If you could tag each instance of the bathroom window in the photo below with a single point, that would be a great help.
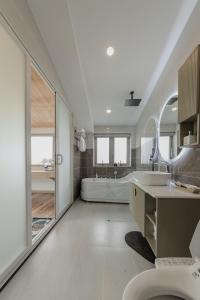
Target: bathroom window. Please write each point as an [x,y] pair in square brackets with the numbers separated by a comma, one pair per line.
[147,149]
[167,144]
[103,150]
[41,149]
[164,146]
[112,149]
[120,150]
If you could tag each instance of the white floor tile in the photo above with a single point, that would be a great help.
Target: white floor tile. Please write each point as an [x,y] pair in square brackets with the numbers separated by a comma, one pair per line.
[85,257]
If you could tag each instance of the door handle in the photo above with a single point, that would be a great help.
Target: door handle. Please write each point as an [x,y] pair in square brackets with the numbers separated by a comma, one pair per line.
[59,159]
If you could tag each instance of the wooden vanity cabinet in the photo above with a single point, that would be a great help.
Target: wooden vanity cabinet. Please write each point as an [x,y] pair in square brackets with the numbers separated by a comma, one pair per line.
[168,224]
[176,222]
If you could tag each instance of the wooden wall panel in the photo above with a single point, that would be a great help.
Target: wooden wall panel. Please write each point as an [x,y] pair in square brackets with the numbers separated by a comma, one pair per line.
[43,102]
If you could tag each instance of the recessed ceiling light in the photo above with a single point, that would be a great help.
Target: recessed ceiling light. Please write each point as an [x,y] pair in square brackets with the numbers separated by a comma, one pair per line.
[174,108]
[108,111]
[110,51]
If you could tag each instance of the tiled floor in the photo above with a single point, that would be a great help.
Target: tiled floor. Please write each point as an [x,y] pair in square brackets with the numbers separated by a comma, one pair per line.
[85,257]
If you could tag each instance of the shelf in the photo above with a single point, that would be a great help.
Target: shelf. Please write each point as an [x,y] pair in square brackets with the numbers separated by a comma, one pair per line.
[152,243]
[191,146]
[192,125]
[151,218]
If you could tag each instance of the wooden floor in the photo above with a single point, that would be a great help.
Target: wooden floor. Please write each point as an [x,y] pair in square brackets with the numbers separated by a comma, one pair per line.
[43,205]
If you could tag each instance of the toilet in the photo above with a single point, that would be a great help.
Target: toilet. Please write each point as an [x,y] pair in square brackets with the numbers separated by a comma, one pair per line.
[179,277]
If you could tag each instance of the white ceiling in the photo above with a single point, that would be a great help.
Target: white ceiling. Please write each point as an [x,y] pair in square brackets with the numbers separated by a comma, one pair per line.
[77,33]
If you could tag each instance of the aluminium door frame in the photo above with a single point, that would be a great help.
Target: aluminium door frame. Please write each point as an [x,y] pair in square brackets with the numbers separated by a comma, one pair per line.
[59,214]
[15,265]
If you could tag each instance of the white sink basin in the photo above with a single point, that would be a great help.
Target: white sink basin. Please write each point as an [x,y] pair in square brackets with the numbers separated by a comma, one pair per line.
[152,178]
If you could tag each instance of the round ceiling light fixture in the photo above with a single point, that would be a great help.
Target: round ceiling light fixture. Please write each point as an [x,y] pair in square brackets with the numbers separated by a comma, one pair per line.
[108,111]
[110,51]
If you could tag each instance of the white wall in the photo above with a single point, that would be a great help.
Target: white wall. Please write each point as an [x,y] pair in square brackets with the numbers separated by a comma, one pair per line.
[111,129]
[20,18]
[43,130]
[168,82]
[168,127]
[54,21]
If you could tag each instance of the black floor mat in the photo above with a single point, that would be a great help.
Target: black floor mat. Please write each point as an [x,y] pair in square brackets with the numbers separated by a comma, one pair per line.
[136,241]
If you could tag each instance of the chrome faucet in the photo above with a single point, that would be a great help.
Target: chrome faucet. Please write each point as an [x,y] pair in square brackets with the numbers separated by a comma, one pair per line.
[166,164]
[152,165]
[152,160]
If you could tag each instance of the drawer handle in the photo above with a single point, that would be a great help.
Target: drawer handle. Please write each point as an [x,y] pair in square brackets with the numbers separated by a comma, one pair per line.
[135,192]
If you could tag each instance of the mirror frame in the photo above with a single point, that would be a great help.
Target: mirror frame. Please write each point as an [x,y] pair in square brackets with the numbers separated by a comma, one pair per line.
[175,94]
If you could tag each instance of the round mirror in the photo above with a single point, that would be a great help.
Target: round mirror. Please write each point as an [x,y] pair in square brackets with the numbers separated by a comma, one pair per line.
[149,142]
[169,130]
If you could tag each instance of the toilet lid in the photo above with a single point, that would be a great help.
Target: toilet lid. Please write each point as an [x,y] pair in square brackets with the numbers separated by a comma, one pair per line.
[180,282]
[167,298]
[195,245]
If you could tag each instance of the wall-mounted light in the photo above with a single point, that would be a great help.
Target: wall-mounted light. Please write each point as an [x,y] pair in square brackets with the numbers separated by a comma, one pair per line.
[110,51]
[108,111]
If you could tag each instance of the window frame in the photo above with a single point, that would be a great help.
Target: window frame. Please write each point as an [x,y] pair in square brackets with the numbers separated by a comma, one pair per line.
[54,145]
[111,137]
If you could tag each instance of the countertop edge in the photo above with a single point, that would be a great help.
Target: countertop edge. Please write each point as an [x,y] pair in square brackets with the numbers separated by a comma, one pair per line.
[168,191]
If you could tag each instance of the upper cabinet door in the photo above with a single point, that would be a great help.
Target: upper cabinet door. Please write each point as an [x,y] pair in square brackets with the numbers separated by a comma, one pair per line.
[188,87]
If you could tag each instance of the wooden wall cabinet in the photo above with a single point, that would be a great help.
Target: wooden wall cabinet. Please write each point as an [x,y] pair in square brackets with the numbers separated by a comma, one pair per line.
[188,87]
[189,97]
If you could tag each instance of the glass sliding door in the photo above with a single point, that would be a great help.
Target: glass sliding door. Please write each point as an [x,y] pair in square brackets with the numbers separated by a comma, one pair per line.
[43,137]
[13,205]
[63,156]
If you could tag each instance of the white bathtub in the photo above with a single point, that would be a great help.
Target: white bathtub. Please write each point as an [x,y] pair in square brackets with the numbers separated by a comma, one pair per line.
[106,189]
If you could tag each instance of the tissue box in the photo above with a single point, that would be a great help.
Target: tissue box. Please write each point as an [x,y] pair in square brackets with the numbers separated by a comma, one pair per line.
[189,139]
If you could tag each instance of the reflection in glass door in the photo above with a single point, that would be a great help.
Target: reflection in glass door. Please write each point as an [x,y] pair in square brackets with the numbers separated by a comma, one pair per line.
[42,153]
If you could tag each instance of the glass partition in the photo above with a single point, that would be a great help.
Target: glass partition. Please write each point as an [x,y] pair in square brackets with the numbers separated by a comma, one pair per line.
[13,207]
[63,147]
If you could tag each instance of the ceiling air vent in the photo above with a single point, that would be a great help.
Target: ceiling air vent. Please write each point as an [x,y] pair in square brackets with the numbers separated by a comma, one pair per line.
[132,101]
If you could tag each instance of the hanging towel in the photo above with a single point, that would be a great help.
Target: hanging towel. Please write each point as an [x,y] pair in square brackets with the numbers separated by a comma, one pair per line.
[82,144]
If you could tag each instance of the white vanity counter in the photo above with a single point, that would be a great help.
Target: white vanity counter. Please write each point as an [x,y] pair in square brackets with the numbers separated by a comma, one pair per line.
[167,191]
